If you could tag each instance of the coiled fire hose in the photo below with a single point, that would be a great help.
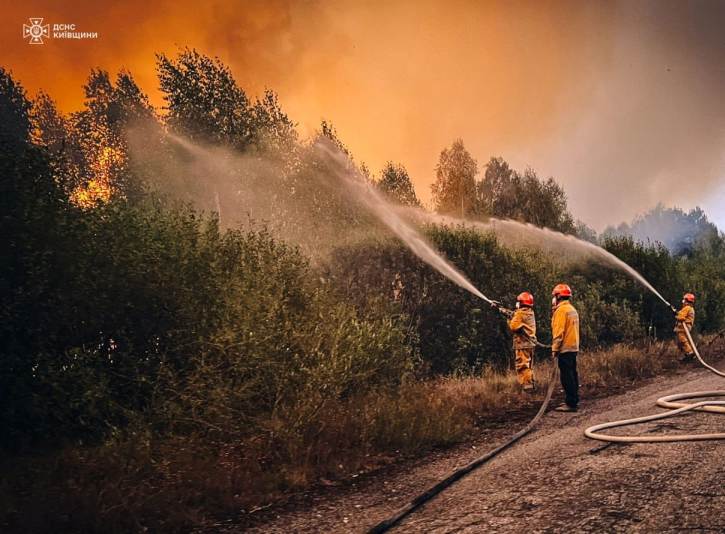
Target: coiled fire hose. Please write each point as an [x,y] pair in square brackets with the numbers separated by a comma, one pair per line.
[459,473]
[676,409]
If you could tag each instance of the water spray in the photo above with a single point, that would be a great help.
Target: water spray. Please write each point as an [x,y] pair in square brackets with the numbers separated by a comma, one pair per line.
[519,229]
[373,200]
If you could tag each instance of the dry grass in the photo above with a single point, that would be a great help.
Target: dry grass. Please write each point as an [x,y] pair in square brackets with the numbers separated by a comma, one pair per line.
[136,482]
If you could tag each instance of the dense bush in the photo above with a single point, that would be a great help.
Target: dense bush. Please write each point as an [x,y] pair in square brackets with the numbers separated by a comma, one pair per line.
[450,328]
[454,330]
[150,292]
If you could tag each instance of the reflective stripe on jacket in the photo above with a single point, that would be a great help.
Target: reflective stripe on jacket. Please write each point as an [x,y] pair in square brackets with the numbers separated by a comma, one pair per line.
[685,315]
[523,326]
[565,328]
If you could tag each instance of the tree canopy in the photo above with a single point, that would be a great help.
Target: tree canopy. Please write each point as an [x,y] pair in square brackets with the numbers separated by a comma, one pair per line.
[506,193]
[454,189]
[395,183]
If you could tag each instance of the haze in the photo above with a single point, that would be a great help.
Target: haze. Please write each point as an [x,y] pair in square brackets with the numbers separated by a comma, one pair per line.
[620,101]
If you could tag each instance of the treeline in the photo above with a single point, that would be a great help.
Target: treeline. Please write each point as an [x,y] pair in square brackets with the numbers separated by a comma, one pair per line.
[683,233]
[130,315]
[118,309]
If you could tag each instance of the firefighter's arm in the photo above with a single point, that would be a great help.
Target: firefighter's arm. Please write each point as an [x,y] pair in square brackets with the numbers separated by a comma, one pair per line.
[558,322]
[681,315]
[515,323]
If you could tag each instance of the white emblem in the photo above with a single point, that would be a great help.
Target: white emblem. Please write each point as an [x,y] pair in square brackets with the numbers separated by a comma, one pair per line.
[36,31]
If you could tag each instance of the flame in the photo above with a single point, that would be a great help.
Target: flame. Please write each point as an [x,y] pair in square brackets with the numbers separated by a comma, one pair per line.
[99,189]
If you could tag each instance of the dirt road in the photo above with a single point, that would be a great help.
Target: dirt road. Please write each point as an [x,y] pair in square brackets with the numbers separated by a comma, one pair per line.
[555,480]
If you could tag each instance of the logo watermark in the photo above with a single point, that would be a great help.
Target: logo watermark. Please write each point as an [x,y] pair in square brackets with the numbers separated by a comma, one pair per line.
[37,31]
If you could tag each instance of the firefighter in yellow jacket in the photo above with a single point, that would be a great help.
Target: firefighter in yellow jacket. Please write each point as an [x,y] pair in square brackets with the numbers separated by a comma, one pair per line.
[685,318]
[523,327]
[565,345]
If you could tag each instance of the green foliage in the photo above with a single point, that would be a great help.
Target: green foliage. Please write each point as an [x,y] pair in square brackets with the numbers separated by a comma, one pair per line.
[274,132]
[586,232]
[604,321]
[203,101]
[14,108]
[146,310]
[454,189]
[505,193]
[453,330]
[396,185]
[152,306]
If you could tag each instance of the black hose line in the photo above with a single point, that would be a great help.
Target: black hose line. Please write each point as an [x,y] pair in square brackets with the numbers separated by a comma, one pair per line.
[461,472]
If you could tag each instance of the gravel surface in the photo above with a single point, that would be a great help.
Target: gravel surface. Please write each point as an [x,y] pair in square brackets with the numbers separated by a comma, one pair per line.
[555,480]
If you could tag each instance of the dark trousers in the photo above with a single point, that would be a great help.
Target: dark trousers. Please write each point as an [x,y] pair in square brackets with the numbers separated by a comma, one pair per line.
[569,378]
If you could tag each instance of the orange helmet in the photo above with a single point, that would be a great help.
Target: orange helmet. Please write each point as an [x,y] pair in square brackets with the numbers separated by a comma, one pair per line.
[525,298]
[561,290]
[689,297]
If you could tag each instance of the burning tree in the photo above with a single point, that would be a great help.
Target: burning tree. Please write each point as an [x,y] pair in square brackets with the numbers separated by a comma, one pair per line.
[88,150]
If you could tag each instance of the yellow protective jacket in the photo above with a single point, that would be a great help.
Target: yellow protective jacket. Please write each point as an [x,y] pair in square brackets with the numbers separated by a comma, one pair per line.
[685,315]
[565,328]
[523,324]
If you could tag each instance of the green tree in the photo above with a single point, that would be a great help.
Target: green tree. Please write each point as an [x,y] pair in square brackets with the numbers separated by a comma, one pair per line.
[395,183]
[95,155]
[328,131]
[454,190]
[33,227]
[586,232]
[505,193]
[497,190]
[53,131]
[203,101]
[273,131]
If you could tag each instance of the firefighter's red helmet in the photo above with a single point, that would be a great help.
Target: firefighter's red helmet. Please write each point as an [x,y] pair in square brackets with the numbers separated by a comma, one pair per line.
[561,290]
[689,297]
[525,298]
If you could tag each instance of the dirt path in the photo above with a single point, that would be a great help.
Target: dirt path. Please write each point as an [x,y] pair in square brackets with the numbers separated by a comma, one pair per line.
[553,481]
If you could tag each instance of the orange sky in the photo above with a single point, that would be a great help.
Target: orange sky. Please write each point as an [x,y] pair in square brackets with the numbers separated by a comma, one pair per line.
[621,102]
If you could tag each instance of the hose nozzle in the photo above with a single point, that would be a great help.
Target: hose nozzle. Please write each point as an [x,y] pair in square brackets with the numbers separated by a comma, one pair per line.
[496,305]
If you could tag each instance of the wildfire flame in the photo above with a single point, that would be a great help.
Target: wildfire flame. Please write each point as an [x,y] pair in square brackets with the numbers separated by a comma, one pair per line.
[99,188]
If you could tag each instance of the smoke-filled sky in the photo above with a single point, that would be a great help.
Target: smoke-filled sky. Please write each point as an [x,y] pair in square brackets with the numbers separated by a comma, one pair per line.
[622,102]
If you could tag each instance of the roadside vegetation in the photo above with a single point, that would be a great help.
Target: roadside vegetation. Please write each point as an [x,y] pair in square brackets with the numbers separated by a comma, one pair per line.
[163,361]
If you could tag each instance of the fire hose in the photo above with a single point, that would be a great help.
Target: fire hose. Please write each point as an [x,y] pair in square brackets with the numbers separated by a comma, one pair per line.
[676,408]
[459,473]
[591,432]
